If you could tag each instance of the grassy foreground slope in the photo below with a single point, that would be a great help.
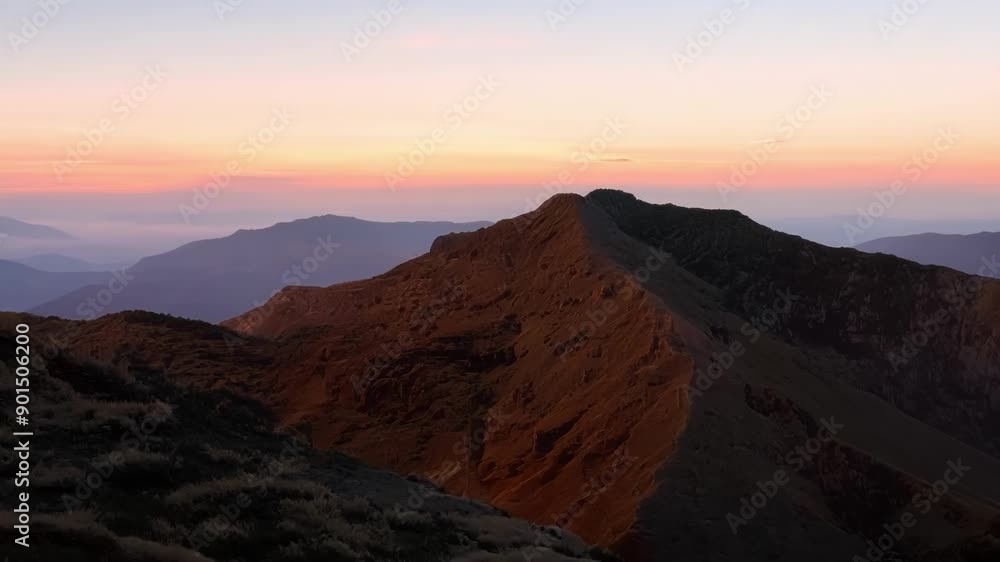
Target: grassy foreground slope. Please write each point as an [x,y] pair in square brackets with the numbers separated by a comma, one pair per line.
[127,466]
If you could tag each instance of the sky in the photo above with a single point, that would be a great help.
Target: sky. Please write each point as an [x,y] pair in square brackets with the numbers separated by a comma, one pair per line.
[410,109]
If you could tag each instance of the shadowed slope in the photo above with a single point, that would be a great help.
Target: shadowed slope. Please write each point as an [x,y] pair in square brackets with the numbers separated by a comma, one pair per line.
[924,338]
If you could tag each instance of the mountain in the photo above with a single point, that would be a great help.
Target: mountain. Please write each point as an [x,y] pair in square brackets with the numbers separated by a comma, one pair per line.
[592,319]
[975,254]
[23,287]
[13,227]
[833,231]
[147,471]
[58,263]
[216,279]
[671,383]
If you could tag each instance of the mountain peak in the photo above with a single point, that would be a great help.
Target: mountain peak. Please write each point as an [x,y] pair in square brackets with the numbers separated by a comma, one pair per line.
[562,200]
[610,194]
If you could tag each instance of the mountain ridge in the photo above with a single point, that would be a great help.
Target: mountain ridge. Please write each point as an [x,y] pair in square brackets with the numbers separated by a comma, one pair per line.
[647,349]
[975,254]
[23,287]
[21,229]
[217,278]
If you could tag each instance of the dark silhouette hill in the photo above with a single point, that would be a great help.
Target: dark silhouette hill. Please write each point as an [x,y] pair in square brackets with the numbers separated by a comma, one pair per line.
[216,279]
[975,254]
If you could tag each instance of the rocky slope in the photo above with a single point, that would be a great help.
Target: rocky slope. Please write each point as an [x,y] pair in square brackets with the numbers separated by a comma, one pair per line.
[475,345]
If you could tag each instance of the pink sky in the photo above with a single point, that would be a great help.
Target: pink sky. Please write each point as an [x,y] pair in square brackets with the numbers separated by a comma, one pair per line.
[551,94]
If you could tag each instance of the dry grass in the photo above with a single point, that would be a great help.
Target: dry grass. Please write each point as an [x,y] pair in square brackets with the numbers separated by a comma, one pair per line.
[225,456]
[192,485]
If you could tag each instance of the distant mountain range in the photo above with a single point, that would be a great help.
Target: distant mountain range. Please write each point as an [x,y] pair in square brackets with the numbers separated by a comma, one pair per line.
[23,288]
[216,279]
[20,229]
[58,263]
[831,231]
[975,254]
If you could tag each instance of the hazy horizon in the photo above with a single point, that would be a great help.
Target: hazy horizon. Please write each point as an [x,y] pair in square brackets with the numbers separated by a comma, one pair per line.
[113,228]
